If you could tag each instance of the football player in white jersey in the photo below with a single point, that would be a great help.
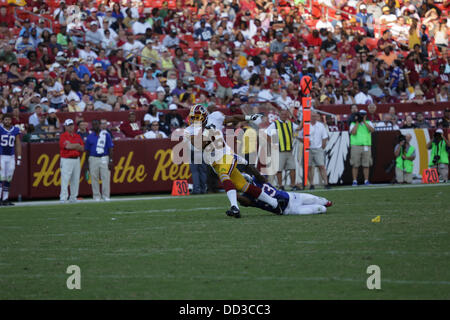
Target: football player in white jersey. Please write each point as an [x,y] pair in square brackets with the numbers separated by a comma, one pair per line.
[205,135]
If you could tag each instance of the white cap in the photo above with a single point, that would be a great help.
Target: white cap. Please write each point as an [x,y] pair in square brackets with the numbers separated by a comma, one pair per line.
[160,89]
[362,111]
[148,41]
[439,130]
[68,122]
[363,6]
[51,110]
[250,64]
[224,15]
[143,101]
[16,89]
[98,64]
[44,99]
[191,79]
[173,106]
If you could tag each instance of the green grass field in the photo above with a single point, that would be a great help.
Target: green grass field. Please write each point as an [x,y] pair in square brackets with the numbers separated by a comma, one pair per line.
[187,248]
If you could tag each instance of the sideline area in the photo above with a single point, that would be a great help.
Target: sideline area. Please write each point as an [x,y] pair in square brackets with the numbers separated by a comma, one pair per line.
[162,197]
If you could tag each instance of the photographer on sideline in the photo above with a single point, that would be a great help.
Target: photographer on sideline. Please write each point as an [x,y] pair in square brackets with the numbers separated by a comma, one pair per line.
[404,154]
[361,145]
[439,154]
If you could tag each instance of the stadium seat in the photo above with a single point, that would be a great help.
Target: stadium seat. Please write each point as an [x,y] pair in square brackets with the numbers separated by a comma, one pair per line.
[172,4]
[118,90]
[22,61]
[187,37]
[196,44]
[39,75]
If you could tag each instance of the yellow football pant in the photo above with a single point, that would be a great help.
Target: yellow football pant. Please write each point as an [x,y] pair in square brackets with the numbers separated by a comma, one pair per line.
[226,170]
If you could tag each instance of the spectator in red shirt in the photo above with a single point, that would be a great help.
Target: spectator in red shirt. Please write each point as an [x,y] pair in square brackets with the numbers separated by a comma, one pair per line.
[7,19]
[224,83]
[71,147]
[314,40]
[131,128]
[98,75]
[385,40]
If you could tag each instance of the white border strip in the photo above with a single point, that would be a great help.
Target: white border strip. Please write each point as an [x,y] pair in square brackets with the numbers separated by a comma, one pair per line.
[137,198]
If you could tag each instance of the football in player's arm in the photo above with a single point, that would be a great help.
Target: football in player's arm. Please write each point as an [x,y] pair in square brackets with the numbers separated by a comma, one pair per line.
[11,146]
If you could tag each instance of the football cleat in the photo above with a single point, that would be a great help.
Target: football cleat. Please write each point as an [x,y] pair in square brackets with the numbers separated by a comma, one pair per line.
[234,212]
[329,204]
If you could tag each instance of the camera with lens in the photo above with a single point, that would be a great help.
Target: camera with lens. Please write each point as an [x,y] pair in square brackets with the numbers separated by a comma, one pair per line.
[436,159]
[357,117]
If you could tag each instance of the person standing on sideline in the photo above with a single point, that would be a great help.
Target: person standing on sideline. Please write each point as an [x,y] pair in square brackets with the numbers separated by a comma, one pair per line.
[439,154]
[318,139]
[99,148]
[361,146]
[71,147]
[284,129]
[10,146]
[404,157]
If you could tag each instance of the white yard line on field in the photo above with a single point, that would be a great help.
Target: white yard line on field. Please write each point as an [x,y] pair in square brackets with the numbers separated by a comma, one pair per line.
[147,198]
[237,278]
[168,210]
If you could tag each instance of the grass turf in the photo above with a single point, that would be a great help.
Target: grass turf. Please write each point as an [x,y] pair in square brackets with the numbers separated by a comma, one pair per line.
[186,248]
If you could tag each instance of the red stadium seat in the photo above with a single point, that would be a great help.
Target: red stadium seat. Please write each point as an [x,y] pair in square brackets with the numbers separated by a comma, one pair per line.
[22,61]
[196,44]
[187,37]
[118,90]
[39,75]
[172,4]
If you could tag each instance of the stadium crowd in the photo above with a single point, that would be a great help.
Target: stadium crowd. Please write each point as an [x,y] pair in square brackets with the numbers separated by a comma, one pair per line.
[76,56]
